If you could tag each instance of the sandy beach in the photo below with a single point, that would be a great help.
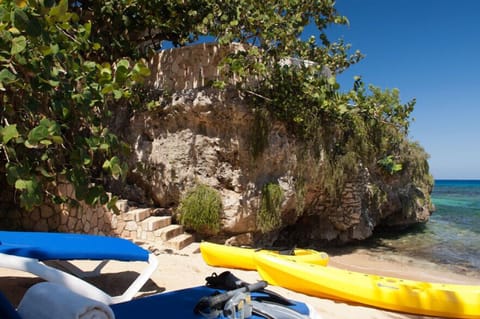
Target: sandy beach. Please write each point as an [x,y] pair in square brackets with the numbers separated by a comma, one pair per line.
[186,268]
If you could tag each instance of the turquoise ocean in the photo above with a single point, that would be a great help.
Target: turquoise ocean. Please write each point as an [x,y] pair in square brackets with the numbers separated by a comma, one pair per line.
[451,238]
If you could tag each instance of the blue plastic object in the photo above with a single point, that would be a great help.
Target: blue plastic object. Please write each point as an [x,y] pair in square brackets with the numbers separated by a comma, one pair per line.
[176,304]
[63,246]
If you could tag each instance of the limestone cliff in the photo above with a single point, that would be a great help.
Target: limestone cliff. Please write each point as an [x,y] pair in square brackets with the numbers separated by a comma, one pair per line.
[203,135]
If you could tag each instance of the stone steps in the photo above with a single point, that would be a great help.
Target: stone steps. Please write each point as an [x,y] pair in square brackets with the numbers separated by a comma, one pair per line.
[153,223]
[143,224]
[137,214]
[179,242]
[169,232]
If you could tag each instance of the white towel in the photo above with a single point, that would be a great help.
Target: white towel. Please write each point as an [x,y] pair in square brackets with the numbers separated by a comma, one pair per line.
[53,301]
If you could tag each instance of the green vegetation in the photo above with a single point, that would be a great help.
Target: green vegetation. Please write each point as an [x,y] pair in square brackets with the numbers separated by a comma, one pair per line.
[389,165]
[377,197]
[268,216]
[57,93]
[66,67]
[200,210]
[361,128]
[259,134]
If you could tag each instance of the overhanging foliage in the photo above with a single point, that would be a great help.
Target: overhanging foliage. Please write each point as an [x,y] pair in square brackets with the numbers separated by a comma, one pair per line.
[67,66]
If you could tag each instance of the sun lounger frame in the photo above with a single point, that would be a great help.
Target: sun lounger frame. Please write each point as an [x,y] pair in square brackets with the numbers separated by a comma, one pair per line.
[77,284]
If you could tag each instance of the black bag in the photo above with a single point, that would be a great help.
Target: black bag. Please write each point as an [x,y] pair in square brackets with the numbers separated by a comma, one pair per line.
[265,303]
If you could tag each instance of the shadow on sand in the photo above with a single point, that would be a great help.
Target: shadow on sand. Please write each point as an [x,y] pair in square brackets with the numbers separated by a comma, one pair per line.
[113,283]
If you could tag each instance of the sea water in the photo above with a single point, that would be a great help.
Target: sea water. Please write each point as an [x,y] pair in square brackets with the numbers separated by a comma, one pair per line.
[451,237]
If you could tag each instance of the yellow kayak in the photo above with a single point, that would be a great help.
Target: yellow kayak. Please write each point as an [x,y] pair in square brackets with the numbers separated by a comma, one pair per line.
[409,296]
[242,258]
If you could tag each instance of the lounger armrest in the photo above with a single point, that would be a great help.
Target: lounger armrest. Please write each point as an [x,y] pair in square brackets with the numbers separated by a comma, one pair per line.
[139,281]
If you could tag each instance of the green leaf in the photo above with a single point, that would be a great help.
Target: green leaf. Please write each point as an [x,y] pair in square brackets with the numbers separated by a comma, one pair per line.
[46,142]
[56,71]
[8,133]
[31,193]
[53,83]
[342,109]
[88,28]
[18,44]
[125,64]
[28,144]
[37,134]
[54,48]
[107,89]
[90,65]
[20,19]
[34,28]
[103,198]
[117,94]
[14,31]
[219,84]
[13,173]
[105,74]
[397,167]
[141,69]
[115,166]
[44,172]
[60,11]
[57,139]
[112,205]
[94,194]
[23,184]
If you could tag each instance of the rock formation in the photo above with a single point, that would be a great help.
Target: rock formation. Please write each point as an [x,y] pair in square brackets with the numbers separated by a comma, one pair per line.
[203,135]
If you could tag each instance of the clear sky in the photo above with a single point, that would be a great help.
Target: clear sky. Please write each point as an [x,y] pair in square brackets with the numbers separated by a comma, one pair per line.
[429,50]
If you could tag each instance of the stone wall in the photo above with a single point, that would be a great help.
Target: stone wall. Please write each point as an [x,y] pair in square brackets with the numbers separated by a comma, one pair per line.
[79,219]
[189,67]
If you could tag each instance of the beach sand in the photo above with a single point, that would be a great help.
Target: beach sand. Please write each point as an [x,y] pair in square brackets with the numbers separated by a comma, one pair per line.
[186,268]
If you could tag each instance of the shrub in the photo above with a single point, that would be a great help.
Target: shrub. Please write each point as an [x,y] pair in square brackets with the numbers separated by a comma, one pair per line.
[200,210]
[57,99]
[268,217]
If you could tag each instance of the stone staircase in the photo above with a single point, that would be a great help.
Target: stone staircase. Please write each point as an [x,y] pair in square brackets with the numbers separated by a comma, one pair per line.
[151,225]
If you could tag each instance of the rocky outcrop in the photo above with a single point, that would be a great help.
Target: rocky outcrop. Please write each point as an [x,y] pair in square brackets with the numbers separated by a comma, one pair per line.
[202,135]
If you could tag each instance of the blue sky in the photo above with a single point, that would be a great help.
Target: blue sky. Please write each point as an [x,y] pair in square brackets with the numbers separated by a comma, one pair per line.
[429,50]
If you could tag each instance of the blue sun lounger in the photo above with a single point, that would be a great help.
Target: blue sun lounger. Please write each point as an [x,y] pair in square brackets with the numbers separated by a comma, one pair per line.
[181,304]
[35,252]
[174,304]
